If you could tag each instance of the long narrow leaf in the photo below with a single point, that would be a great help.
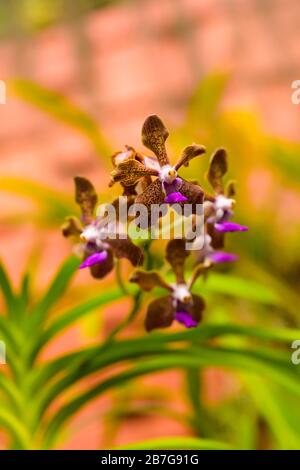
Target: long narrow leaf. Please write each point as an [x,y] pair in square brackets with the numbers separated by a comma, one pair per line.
[7,291]
[74,314]
[56,289]
[177,443]
[54,205]
[16,428]
[277,369]
[102,356]
[273,408]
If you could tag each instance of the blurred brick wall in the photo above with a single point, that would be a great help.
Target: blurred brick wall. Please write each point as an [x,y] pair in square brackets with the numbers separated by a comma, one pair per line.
[145,56]
[128,61]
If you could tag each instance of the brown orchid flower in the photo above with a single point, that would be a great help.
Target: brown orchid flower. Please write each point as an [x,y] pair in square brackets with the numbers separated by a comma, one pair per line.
[218,209]
[180,304]
[98,249]
[168,187]
[130,154]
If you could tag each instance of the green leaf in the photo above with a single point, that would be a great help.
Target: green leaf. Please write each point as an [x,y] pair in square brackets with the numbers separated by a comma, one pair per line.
[79,364]
[193,385]
[177,443]
[285,157]
[55,290]
[235,286]
[273,405]
[16,428]
[86,363]
[102,356]
[275,366]
[74,314]
[7,291]
[24,296]
[206,98]
[54,205]
[60,108]
[10,390]
[5,331]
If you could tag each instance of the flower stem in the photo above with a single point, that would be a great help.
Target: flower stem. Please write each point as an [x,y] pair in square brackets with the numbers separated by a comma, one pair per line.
[132,315]
[119,278]
[137,297]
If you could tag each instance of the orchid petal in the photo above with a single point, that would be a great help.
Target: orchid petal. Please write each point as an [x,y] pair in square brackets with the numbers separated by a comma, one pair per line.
[175,197]
[154,135]
[86,198]
[186,319]
[222,257]
[227,226]
[95,258]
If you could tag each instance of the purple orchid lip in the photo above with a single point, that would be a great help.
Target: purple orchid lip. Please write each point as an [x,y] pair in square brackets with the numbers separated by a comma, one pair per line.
[95,258]
[222,257]
[230,227]
[186,319]
[174,186]
[175,197]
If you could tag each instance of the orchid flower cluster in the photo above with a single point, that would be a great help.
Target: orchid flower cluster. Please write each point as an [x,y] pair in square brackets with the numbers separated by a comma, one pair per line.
[152,180]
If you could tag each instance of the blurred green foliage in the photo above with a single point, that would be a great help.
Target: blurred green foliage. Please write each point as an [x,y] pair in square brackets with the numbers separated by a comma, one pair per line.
[252,319]
[27,326]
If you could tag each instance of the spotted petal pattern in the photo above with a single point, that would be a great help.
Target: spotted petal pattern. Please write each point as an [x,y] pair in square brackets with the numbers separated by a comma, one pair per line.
[217,169]
[188,154]
[130,172]
[176,254]
[86,198]
[154,135]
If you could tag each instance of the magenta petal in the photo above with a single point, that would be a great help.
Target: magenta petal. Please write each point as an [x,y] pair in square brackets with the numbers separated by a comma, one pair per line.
[95,258]
[230,227]
[175,197]
[222,257]
[186,319]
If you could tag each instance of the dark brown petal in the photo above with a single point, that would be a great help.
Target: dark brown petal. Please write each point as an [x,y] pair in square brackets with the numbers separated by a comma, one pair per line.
[230,189]
[129,190]
[125,248]
[154,135]
[72,227]
[148,280]
[192,192]
[86,198]
[145,182]
[153,194]
[197,308]
[200,270]
[209,197]
[217,169]
[102,269]
[176,253]
[188,154]
[160,313]
[217,238]
[129,172]
[121,206]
